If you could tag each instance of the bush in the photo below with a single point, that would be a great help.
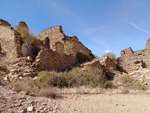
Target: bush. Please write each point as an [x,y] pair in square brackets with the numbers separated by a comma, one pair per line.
[140,86]
[48,92]
[128,81]
[110,55]
[76,77]
[108,84]
[29,41]
[68,46]
[83,57]
[24,32]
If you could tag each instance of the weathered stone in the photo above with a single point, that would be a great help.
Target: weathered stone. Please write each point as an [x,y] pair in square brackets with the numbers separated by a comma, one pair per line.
[139,53]
[94,63]
[10,42]
[130,60]
[27,74]
[146,58]
[58,39]
[108,62]
[4,23]
[127,52]
[30,109]
[49,60]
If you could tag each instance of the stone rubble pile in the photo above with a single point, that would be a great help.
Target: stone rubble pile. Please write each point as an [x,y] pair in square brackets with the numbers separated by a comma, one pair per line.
[12,102]
[142,75]
[20,68]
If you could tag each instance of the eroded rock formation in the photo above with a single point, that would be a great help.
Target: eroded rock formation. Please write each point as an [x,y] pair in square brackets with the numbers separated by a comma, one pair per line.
[132,60]
[61,50]
[53,50]
[10,42]
[58,39]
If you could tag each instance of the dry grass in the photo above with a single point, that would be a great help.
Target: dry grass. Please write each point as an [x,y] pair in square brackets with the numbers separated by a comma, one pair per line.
[49,92]
[130,83]
[19,86]
[93,77]
[81,90]
[88,90]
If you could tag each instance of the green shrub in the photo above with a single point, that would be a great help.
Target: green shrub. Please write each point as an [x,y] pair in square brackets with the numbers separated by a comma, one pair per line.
[76,77]
[92,56]
[140,86]
[24,31]
[130,82]
[83,57]
[108,84]
[127,80]
[68,46]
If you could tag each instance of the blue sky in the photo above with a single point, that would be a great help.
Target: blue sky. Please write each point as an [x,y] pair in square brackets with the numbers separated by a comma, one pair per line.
[101,25]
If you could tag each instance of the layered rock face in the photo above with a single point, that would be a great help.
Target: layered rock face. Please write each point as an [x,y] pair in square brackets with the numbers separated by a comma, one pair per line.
[133,60]
[10,42]
[146,57]
[60,51]
[50,60]
[59,40]
[53,50]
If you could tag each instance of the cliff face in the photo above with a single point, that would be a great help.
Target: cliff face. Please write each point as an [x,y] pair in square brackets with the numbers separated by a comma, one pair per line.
[59,42]
[61,50]
[10,42]
[132,60]
[53,50]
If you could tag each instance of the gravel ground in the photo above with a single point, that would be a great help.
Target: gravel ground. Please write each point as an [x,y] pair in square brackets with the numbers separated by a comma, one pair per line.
[12,102]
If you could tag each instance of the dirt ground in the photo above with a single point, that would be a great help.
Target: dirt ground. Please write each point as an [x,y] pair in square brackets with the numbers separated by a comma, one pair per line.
[105,103]
[13,102]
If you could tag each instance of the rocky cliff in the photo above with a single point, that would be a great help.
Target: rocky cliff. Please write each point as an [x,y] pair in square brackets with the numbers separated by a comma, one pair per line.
[52,50]
[132,60]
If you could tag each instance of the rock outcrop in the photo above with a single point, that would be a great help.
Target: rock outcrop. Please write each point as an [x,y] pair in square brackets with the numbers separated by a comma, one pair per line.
[50,60]
[108,63]
[93,63]
[58,40]
[10,41]
[53,50]
[60,51]
[133,60]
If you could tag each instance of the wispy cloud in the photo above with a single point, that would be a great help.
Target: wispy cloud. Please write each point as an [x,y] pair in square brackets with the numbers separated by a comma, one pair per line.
[137,27]
[89,31]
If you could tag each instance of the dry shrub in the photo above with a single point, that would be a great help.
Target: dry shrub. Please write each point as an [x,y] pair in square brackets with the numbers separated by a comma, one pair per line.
[18,85]
[83,56]
[108,84]
[67,48]
[131,83]
[48,92]
[88,90]
[93,77]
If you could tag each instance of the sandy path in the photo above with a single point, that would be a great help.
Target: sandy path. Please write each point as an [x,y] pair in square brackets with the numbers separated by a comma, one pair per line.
[104,103]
